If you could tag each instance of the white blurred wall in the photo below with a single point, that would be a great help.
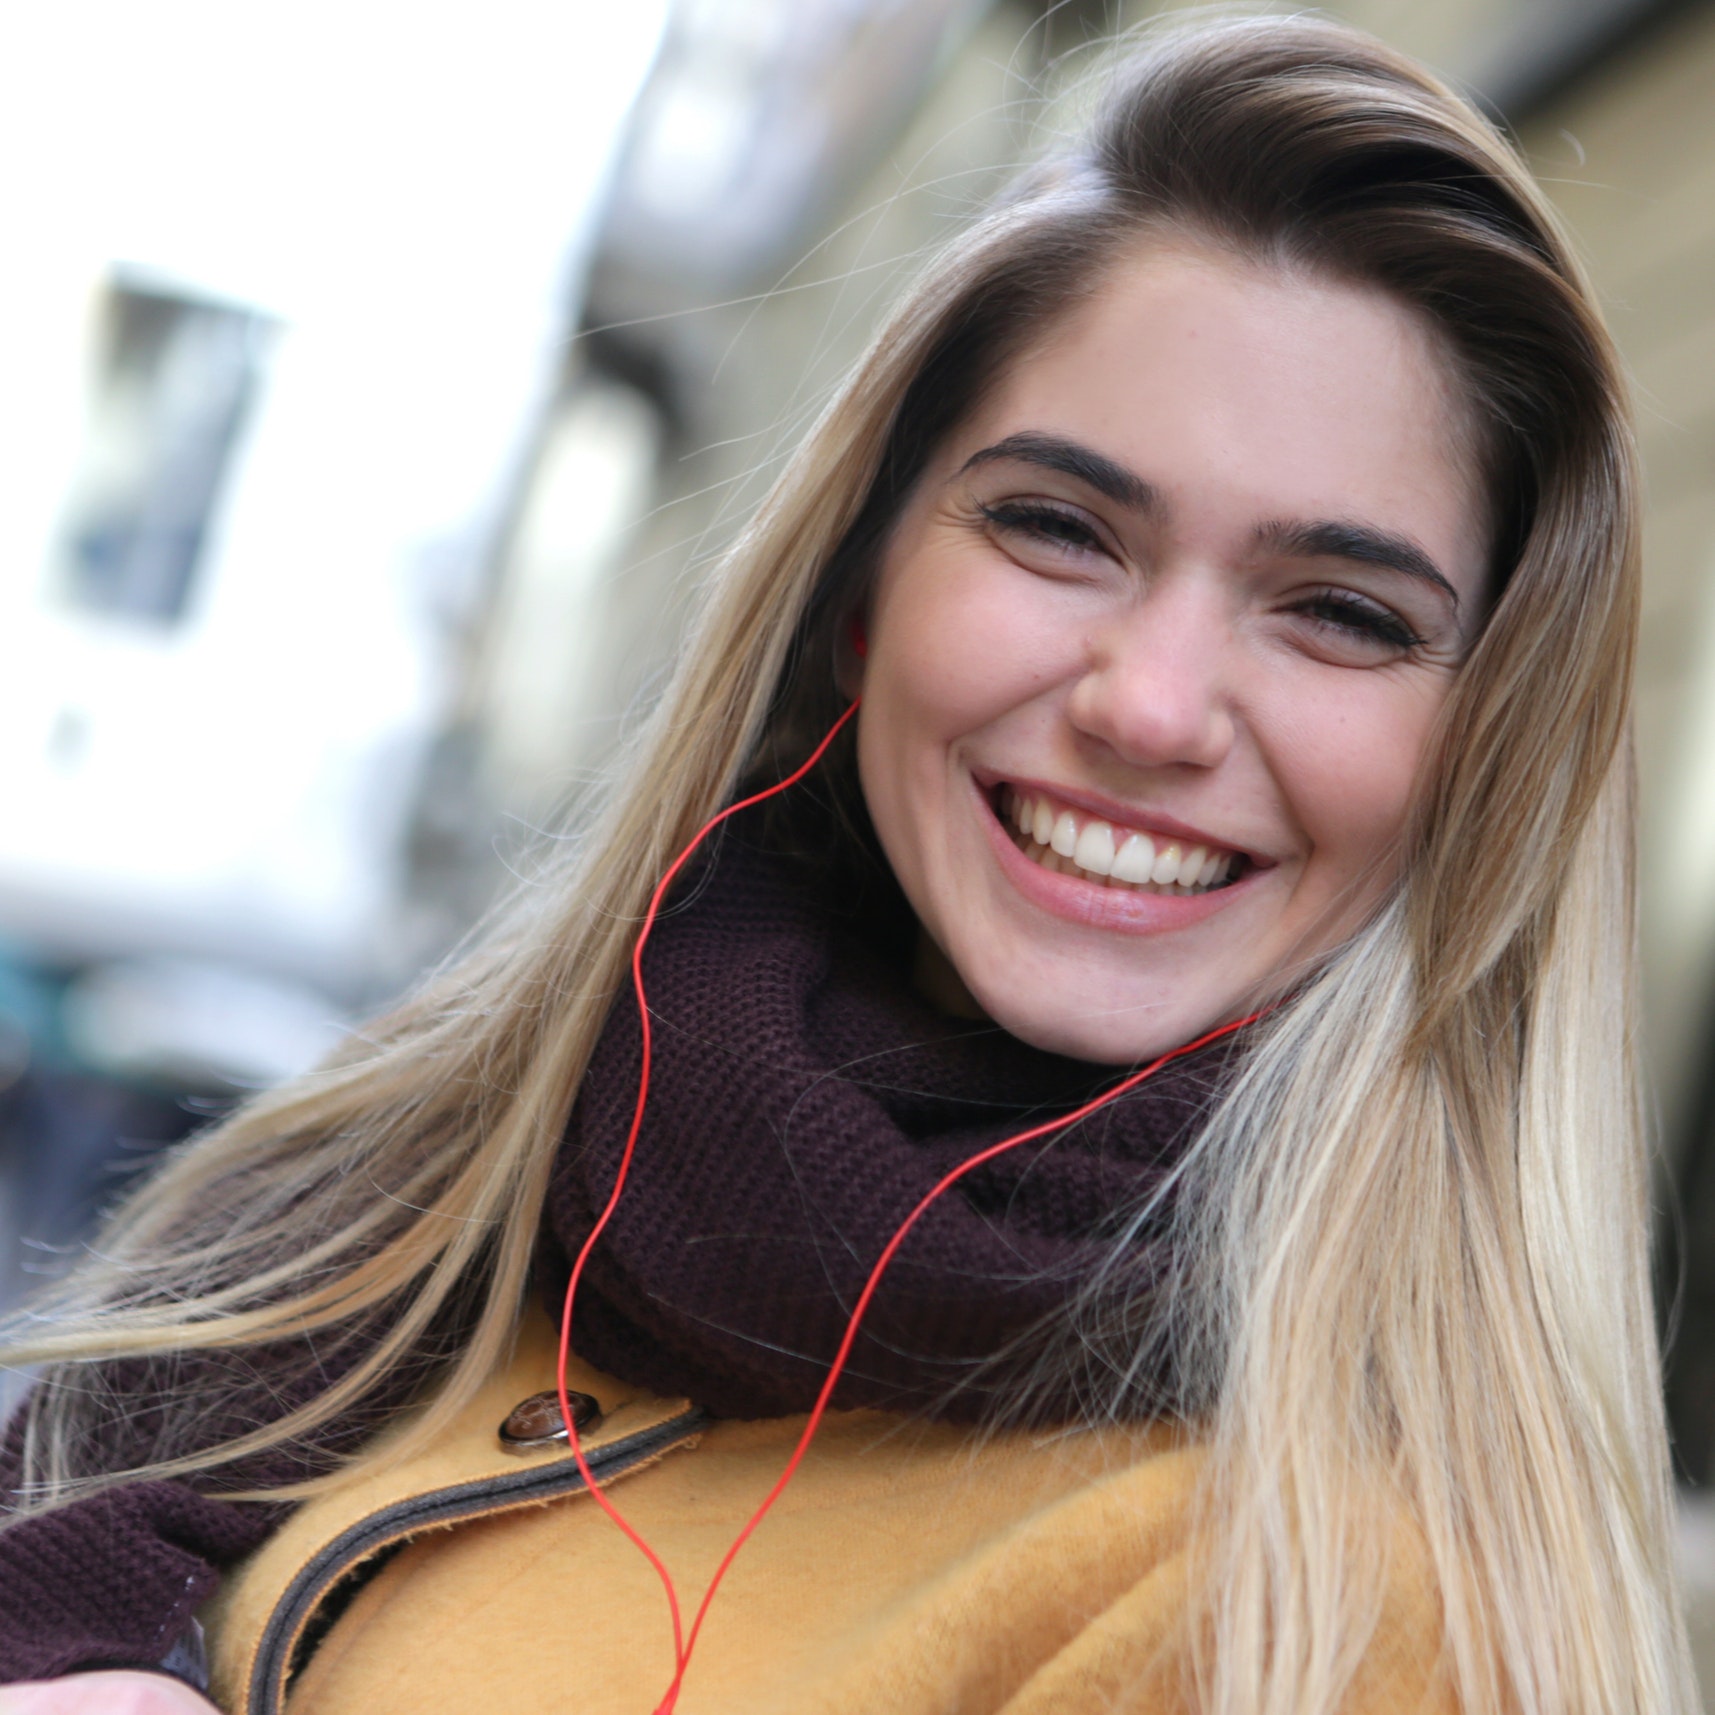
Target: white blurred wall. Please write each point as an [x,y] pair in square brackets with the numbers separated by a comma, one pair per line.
[406,196]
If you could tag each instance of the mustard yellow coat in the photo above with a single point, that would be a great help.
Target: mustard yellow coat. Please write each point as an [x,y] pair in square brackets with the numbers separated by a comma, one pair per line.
[909,1569]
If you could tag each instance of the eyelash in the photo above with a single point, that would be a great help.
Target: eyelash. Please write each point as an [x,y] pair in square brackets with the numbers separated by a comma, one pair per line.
[1033,518]
[1341,610]
[1352,613]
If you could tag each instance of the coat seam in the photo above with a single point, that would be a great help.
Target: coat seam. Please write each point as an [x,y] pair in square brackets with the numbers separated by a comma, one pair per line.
[398,1522]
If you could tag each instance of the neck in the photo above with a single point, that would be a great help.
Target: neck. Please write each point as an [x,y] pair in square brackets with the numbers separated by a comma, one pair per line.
[939,983]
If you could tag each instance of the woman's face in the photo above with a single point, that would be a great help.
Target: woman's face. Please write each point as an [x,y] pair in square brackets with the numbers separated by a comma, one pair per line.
[1157,645]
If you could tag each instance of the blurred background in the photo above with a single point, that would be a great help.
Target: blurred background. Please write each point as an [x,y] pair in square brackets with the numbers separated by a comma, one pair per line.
[379,381]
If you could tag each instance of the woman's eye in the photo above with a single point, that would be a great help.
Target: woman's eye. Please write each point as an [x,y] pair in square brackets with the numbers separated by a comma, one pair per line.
[1355,619]
[1040,522]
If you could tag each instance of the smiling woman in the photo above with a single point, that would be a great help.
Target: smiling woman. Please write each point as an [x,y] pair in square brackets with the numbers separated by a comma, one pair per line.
[1208,611]
[1175,586]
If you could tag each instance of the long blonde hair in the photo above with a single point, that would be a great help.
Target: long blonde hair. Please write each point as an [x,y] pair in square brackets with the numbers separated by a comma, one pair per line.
[1420,1221]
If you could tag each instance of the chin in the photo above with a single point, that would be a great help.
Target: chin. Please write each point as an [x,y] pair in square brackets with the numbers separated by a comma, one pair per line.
[1104,1041]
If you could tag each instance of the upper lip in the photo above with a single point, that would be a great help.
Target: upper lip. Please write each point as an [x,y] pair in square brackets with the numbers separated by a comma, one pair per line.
[1112,811]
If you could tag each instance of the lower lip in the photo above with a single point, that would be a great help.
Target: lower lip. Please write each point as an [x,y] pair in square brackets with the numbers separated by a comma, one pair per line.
[1123,909]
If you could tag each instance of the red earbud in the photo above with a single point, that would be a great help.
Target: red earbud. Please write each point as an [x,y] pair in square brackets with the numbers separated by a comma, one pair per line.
[860,638]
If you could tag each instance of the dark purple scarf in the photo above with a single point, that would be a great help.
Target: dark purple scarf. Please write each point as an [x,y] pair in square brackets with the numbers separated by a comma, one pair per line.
[803,1099]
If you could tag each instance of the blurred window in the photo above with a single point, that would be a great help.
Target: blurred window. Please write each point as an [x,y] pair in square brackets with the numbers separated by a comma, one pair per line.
[175,379]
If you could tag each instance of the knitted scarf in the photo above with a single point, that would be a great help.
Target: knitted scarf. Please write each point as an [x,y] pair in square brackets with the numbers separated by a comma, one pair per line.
[803,1098]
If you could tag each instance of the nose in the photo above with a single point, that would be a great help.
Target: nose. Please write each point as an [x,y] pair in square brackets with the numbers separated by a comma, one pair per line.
[1156,688]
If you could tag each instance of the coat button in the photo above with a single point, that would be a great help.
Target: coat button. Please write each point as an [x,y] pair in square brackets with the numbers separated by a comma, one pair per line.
[536,1421]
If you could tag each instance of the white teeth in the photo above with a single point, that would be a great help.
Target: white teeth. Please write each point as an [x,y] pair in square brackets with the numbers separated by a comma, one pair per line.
[1095,849]
[1135,860]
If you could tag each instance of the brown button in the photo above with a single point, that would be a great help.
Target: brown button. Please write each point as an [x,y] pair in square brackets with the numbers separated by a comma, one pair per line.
[536,1421]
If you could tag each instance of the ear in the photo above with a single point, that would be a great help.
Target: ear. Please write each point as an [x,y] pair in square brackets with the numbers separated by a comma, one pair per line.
[851,655]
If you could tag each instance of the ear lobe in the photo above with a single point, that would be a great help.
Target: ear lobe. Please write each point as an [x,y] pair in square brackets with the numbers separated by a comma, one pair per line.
[849,659]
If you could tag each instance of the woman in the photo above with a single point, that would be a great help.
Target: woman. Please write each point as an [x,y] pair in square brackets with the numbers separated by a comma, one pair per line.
[1232,542]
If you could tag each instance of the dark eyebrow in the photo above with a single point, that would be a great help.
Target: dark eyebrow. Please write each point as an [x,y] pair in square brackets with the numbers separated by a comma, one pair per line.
[1361,542]
[1072,458]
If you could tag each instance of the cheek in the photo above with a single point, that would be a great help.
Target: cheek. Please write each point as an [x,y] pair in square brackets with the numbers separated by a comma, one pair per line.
[958,640]
[1351,772]
[959,646]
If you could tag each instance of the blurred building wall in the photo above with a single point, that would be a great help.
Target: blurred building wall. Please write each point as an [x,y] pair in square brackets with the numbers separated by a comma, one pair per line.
[285,293]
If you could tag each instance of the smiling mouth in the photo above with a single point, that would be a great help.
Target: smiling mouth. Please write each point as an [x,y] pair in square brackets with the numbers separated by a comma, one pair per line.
[1073,842]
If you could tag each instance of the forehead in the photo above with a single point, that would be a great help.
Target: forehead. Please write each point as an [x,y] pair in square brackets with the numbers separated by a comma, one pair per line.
[1252,393]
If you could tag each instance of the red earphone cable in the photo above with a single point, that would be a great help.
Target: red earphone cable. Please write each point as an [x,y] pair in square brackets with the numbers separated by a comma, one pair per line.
[683,1644]
[680,1652]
